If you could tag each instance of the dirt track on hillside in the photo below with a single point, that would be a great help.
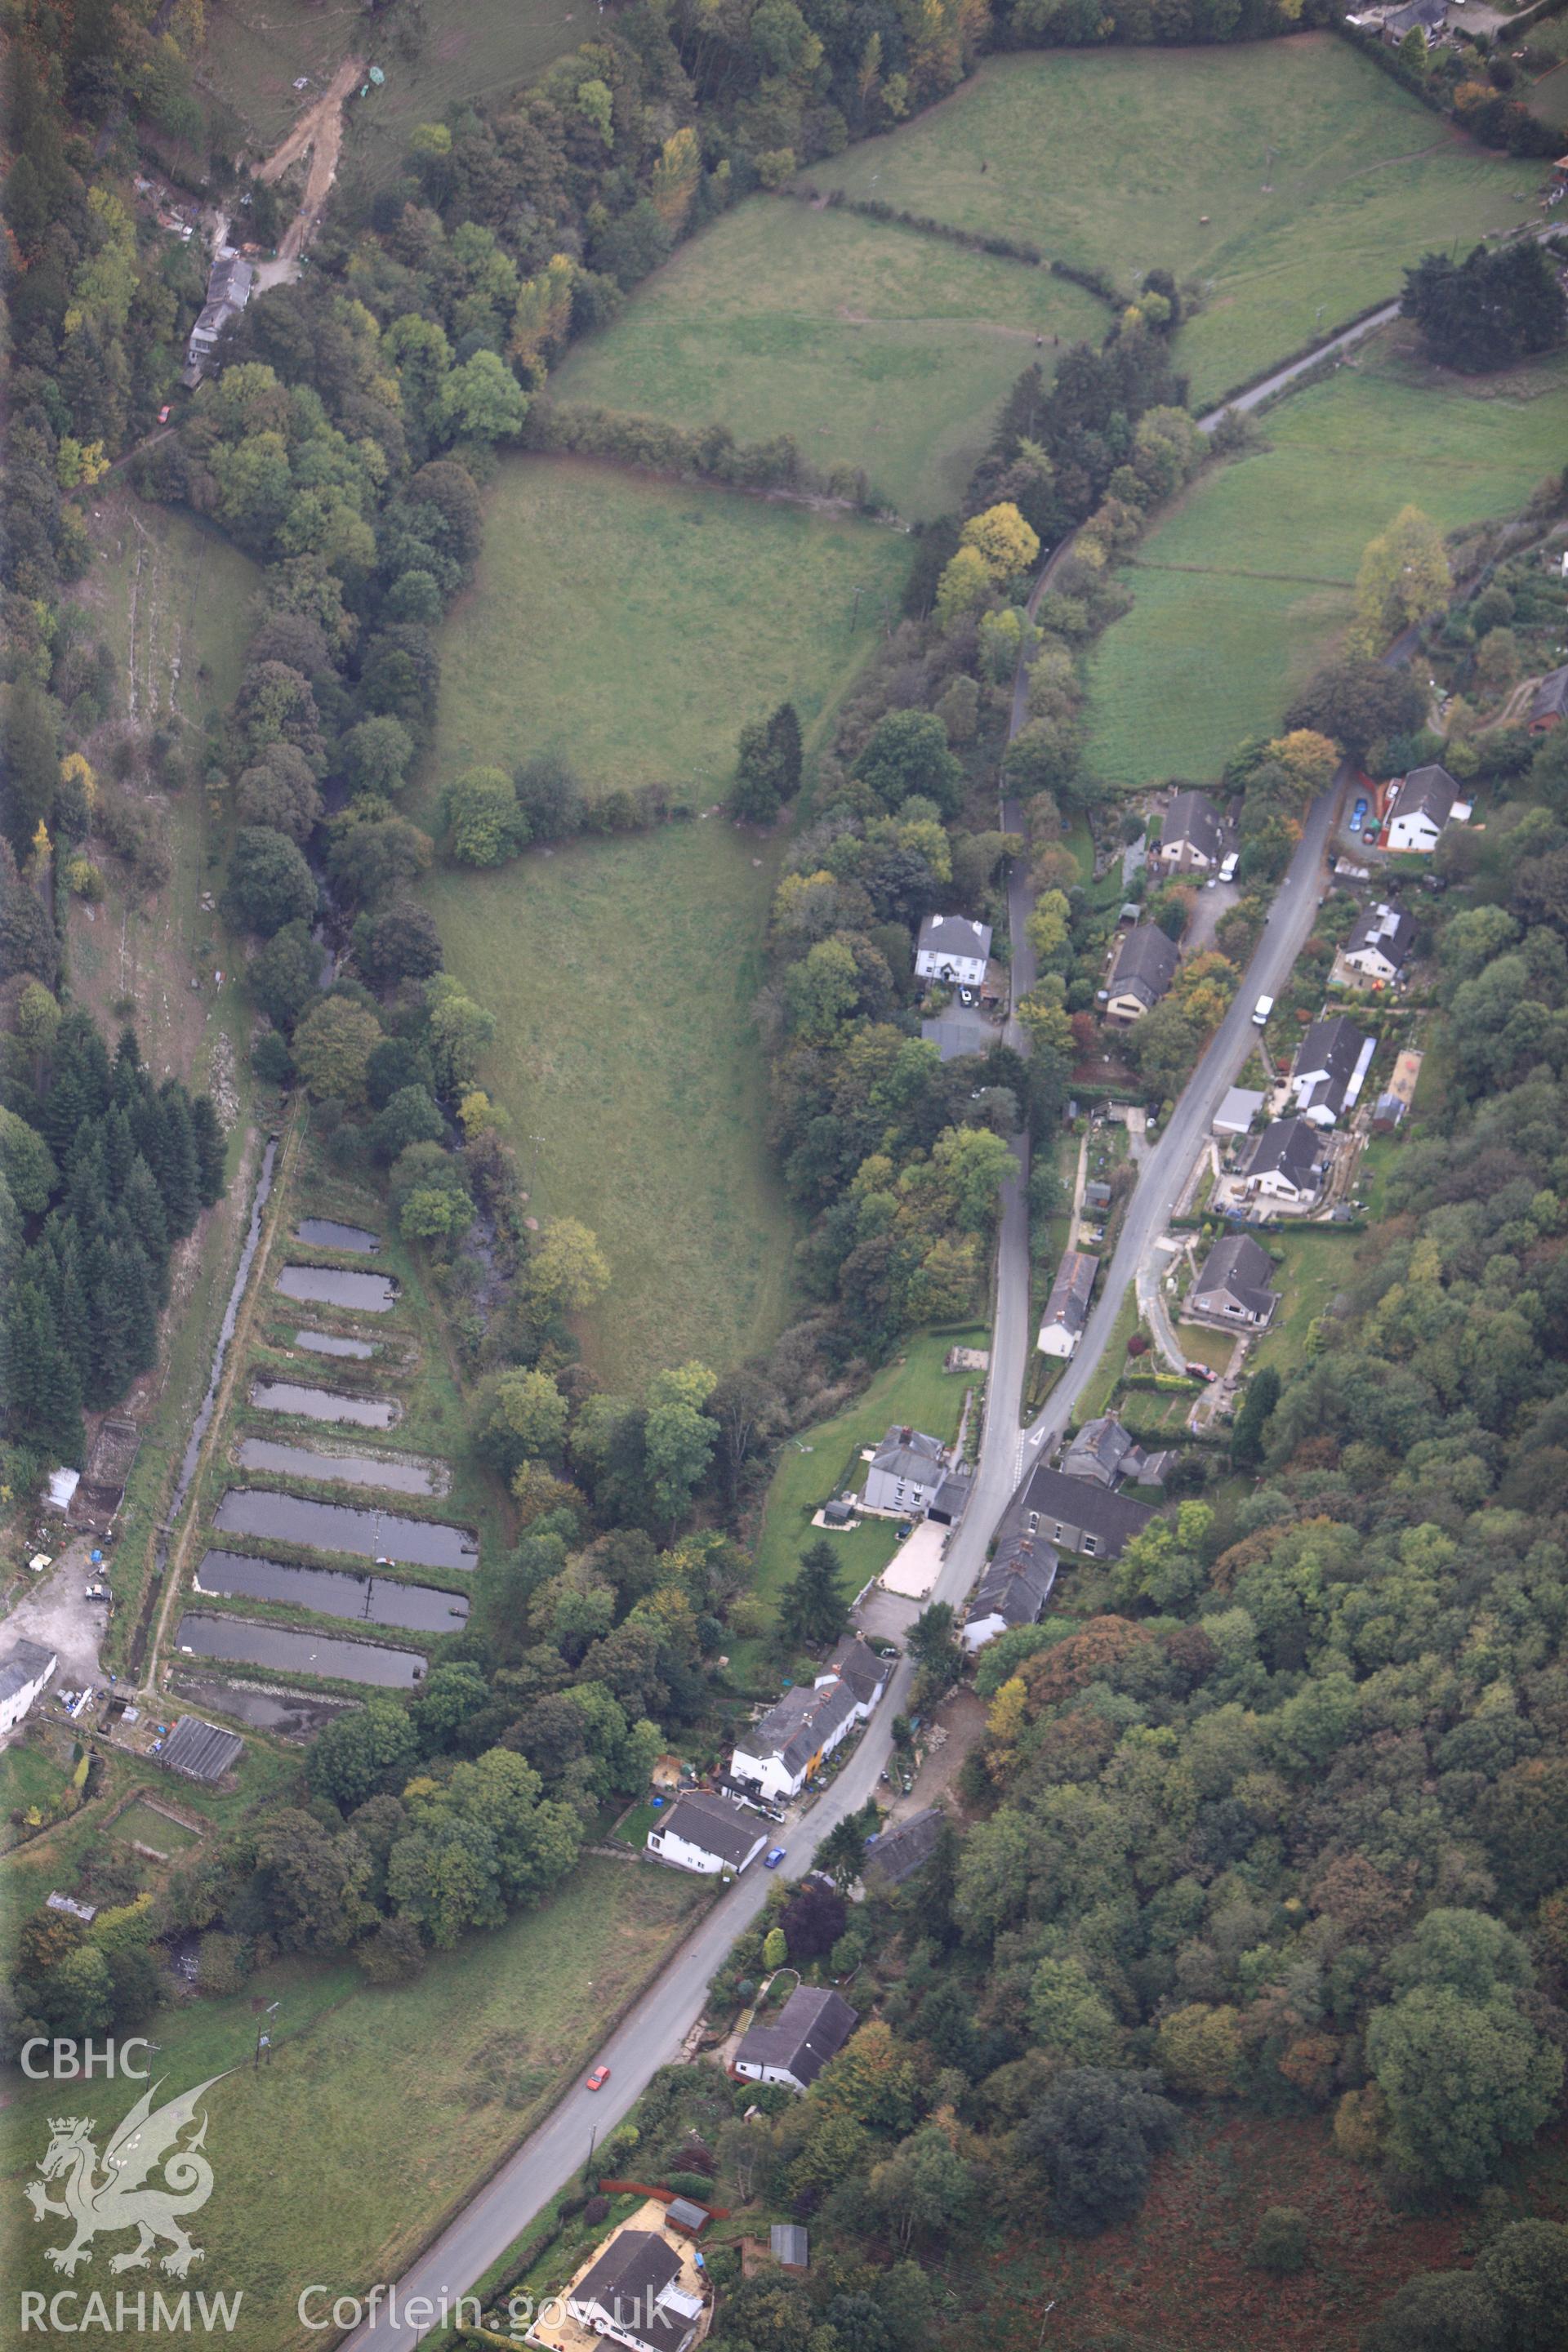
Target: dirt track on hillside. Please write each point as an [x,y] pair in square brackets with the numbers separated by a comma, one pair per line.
[319,134]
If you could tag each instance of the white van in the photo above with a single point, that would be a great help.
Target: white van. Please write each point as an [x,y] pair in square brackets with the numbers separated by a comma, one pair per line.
[1229,866]
[1261,1011]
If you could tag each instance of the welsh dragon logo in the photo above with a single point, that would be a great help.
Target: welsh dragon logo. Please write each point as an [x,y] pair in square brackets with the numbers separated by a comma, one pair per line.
[125,2198]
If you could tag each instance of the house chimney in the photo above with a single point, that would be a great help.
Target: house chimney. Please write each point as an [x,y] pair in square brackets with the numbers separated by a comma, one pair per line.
[906,1434]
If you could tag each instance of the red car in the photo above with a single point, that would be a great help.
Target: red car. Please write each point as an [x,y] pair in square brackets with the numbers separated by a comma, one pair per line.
[1200,1372]
[598,2078]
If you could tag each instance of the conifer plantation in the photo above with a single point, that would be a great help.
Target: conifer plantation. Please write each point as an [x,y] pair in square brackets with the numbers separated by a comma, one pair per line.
[101,1172]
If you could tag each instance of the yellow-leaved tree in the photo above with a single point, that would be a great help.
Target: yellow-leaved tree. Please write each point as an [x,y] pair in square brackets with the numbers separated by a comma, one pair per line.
[1004,542]
[1404,577]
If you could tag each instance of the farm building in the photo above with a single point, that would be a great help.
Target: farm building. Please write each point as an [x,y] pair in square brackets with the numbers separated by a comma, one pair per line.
[200,1751]
[896,1853]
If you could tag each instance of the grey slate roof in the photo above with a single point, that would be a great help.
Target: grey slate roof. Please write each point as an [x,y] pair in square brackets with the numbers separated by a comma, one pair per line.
[911,1455]
[1068,1302]
[810,2028]
[627,2282]
[857,1664]
[1430,15]
[1287,1146]
[200,1750]
[1383,927]
[716,1824]
[1241,1268]
[896,1853]
[1333,1046]
[1430,789]
[1551,696]
[796,1726]
[1192,816]
[1053,1497]
[1017,1583]
[1146,965]
[954,935]
[1099,1450]
[950,1498]
[25,1661]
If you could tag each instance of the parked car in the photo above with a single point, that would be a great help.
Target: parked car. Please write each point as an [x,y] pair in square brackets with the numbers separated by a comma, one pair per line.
[774,1856]
[1261,1011]
[1229,866]
[1358,815]
[1200,1371]
[598,2079]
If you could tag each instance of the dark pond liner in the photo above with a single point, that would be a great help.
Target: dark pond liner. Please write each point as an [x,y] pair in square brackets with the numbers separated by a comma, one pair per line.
[324,1404]
[296,1651]
[341,1527]
[325,1232]
[327,1343]
[333,1592]
[338,1286]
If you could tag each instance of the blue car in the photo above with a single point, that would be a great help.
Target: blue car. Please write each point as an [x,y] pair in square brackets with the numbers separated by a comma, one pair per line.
[1358,815]
[774,1856]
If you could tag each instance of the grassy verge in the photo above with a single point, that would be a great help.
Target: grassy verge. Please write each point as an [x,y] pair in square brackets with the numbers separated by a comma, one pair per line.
[381,2110]
[873,346]
[1291,179]
[1232,612]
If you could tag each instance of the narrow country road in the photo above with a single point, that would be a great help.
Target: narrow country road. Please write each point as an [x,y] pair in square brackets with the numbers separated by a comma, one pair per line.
[653,2034]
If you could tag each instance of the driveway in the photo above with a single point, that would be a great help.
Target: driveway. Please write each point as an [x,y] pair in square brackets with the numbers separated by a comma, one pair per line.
[54,1612]
[1212,904]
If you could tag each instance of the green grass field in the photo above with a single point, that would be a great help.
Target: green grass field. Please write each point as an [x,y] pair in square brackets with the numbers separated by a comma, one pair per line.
[819,1462]
[622,976]
[1242,588]
[634,626]
[381,2111]
[1139,159]
[1316,1264]
[873,346]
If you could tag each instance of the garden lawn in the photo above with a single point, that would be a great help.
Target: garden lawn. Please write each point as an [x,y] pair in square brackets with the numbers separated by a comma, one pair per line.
[874,346]
[1242,589]
[27,1777]
[821,1461]
[381,2111]
[1137,159]
[1317,1265]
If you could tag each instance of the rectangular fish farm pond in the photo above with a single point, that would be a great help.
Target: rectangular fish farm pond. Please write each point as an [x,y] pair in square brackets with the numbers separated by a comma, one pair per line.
[341,1527]
[342,1469]
[339,1286]
[333,1592]
[325,1404]
[295,1649]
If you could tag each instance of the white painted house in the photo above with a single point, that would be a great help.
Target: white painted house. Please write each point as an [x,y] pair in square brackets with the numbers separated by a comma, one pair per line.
[1067,1308]
[708,1834]
[952,951]
[1426,800]
[779,1754]
[1286,1161]
[23,1676]
[810,2028]
[1380,942]
[633,2295]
